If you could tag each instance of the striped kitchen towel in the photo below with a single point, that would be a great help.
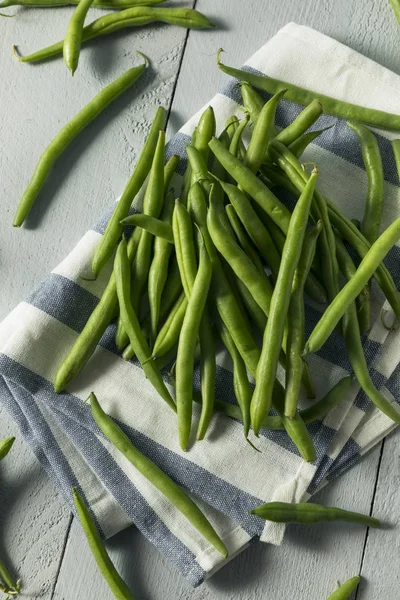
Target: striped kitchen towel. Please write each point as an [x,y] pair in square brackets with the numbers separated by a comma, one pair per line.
[225,476]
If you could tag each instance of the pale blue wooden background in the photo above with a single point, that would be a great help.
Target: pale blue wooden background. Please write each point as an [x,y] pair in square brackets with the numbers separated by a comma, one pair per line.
[37,533]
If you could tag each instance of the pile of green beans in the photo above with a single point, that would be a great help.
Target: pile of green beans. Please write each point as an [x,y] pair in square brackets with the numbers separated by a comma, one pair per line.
[226,261]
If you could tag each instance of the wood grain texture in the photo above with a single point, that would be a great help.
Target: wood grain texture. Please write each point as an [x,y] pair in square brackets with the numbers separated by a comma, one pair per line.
[35,101]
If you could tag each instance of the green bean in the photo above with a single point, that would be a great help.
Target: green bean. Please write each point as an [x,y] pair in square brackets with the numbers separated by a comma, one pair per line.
[169,333]
[152,205]
[225,138]
[273,335]
[186,257]
[86,342]
[263,132]
[115,582]
[8,585]
[156,227]
[226,408]
[307,513]
[354,346]
[186,346]
[301,123]
[156,476]
[355,238]
[198,169]
[331,106]
[231,124]
[296,322]
[350,291]
[242,237]
[158,272]
[234,147]
[254,227]
[241,383]
[321,408]
[252,185]
[109,4]
[326,240]
[73,36]
[345,590]
[169,171]
[252,101]
[187,177]
[256,282]
[396,9]
[221,292]
[205,132]
[373,165]
[295,428]
[67,134]
[131,17]
[114,228]
[299,145]
[256,314]
[131,324]
[396,154]
[5,446]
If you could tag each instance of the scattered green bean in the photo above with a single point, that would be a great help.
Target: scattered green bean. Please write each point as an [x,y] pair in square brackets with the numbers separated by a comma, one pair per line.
[334,397]
[273,336]
[156,476]
[67,134]
[345,590]
[115,582]
[308,513]
[5,446]
[73,36]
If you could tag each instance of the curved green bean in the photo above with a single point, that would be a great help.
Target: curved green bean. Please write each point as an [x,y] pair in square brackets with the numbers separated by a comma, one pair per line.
[169,332]
[351,333]
[73,36]
[87,340]
[300,144]
[187,344]
[351,290]
[114,228]
[156,476]
[152,225]
[331,106]
[345,590]
[273,335]
[252,101]
[131,324]
[158,272]
[308,513]
[204,133]
[131,17]
[5,446]
[252,185]
[301,123]
[108,4]
[296,322]
[115,582]
[242,237]
[236,141]
[334,397]
[67,134]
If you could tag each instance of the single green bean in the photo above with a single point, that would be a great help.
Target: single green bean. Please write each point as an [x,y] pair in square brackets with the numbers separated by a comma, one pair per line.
[334,397]
[345,590]
[241,383]
[242,237]
[205,132]
[254,227]
[252,185]
[221,292]
[198,169]
[396,153]
[169,333]
[301,123]
[67,134]
[187,344]
[115,582]
[86,342]
[350,291]
[152,205]
[169,171]
[131,324]
[252,101]
[158,272]
[8,585]
[187,177]
[156,476]
[299,145]
[307,513]
[263,132]
[235,145]
[225,138]
[296,322]
[73,36]
[131,17]
[114,228]
[152,225]
[331,106]
[273,336]
[5,446]
[108,4]
[351,332]
[226,408]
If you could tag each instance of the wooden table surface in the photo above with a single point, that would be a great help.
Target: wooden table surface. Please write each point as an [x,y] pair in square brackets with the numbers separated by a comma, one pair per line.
[37,533]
